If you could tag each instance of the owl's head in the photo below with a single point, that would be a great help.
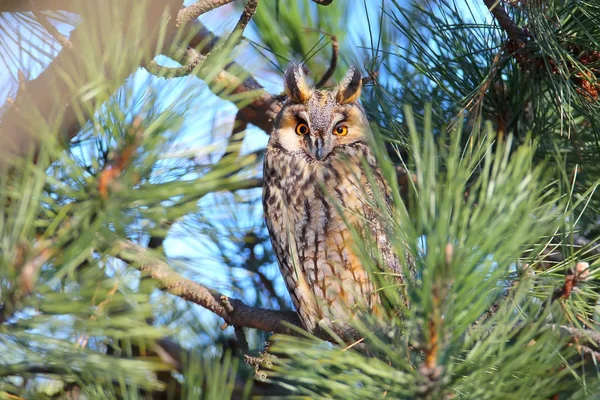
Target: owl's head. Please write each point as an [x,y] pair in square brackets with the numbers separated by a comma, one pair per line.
[315,123]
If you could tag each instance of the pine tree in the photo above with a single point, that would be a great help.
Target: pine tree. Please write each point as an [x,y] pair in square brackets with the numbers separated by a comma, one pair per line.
[134,259]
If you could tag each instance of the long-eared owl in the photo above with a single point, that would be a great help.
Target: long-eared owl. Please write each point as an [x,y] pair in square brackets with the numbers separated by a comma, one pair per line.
[315,186]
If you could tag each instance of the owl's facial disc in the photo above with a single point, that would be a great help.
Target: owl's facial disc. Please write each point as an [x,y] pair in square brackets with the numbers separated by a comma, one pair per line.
[315,124]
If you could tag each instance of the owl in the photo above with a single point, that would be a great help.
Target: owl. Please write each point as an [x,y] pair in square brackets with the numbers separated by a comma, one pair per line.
[318,175]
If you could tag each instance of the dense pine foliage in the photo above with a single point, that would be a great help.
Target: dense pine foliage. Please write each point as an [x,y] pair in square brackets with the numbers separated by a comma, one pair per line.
[133,255]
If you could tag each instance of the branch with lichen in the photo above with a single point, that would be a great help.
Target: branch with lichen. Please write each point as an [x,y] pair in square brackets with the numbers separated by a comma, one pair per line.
[233,311]
[196,60]
[195,10]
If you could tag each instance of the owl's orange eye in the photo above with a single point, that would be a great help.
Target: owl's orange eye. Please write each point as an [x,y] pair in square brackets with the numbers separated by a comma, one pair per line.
[302,129]
[341,130]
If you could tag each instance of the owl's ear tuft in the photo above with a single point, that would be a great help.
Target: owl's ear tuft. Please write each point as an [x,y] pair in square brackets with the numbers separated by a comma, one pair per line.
[296,87]
[348,90]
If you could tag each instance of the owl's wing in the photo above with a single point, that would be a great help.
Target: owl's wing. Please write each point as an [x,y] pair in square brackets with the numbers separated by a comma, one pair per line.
[374,218]
[390,261]
[376,226]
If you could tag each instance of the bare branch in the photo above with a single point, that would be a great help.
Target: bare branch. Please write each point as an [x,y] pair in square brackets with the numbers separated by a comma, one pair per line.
[240,337]
[195,10]
[42,20]
[332,64]
[240,315]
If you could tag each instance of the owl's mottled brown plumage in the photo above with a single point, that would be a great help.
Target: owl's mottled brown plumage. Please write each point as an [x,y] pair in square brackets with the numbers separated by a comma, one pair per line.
[314,172]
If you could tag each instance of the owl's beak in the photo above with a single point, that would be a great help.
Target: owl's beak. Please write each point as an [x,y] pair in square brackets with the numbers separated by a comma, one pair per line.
[318,147]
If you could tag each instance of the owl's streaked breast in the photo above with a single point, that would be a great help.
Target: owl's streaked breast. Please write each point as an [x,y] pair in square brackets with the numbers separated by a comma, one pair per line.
[302,200]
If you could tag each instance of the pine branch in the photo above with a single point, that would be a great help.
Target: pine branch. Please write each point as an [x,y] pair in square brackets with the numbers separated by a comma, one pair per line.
[506,23]
[233,311]
[243,22]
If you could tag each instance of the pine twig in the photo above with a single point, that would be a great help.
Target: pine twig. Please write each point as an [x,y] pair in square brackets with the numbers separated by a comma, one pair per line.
[332,63]
[42,20]
[372,77]
[572,278]
[433,326]
[238,31]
